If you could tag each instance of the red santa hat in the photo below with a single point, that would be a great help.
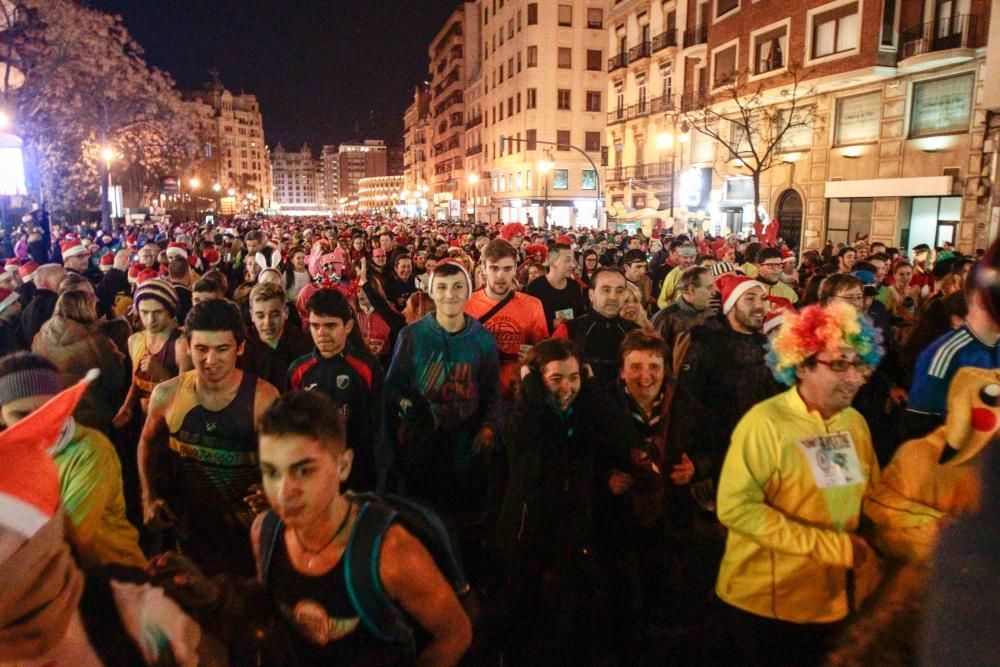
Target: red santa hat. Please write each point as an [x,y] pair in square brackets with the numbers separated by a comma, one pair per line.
[29,480]
[134,270]
[11,264]
[175,249]
[732,287]
[107,261]
[512,229]
[27,271]
[146,274]
[211,256]
[565,240]
[71,249]
[776,315]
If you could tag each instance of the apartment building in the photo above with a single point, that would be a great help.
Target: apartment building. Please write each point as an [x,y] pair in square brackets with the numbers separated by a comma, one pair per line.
[329,160]
[454,47]
[894,90]
[235,130]
[297,178]
[381,194]
[536,111]
[360,160]
[416,138]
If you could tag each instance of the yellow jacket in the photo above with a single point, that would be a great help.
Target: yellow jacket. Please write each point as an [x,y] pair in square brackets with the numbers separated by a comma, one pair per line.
[669,290]
[788,549]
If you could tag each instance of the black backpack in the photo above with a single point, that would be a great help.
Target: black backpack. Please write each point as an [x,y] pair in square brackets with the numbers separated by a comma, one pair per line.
[383,618]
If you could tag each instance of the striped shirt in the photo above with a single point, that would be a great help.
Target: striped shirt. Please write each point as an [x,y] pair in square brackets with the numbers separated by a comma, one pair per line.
[938,364]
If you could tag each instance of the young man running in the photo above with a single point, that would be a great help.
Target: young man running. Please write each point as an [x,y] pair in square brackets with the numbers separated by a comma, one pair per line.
[202,422]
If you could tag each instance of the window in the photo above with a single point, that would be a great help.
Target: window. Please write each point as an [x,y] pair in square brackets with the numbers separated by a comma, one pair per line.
[589,180]
[592,141]
[532,13]
[532,56]
[857,119]
[519,61]
[667,77]
[724,65]
[510,68]
[519,20]
[527,179]
[595,18]
[799,135]
[560,179]
[595,60]
[532,100]
[739,138]
[593,100]
[640,85]
[565,60]
[500,35]
[517,106]
[486,15]
[890,12]
[531,139]
[941,105]
[510,106]
[835,30]
[510,28]
[847,219]
[770,48]
[566,15]
[501,73]
[520,181]
[563,140]
[563,99]
[723,7]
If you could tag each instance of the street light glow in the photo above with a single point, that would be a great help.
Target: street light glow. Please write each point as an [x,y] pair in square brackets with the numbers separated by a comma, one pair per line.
[216,187]
[4,120]
[664,140]
[545,166]
[231,192]
[473,179]
[194,183]
[108,154]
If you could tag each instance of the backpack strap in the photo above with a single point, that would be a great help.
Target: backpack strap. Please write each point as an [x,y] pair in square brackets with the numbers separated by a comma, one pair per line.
[270,528]
[364,585]
[497,307]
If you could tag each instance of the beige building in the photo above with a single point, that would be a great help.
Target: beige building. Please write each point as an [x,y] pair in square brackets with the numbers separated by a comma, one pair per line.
[381,195]
[235,131]
[359,160]
[537,122]
[329,159]
[453,49]
[894,94]
[417,132]
[297,178]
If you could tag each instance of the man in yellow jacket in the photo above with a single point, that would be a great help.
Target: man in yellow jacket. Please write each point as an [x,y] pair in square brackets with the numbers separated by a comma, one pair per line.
[790,493]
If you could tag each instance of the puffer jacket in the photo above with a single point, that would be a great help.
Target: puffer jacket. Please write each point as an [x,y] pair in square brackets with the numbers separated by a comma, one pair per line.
[722,376]
[75,348]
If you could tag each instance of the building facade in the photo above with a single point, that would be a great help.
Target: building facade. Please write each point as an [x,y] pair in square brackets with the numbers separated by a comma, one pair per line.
[381,195]
[239,159]
[450,52]
[416,134]
[359,160]
[891,97]
[297,181]
[329,159]
[537,122]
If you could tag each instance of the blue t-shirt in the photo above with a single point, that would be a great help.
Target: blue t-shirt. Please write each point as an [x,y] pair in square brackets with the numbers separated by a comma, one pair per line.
[938,364]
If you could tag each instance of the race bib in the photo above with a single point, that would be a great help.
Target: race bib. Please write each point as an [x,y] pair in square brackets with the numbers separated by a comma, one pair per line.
[564,314]
[833,459]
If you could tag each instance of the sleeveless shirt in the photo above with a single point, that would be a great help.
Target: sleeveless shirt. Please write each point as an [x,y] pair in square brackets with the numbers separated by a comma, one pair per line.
[322,625]
[162,365]
[213,463]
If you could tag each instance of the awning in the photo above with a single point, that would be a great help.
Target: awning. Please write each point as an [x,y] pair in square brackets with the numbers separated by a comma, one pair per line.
[921,186]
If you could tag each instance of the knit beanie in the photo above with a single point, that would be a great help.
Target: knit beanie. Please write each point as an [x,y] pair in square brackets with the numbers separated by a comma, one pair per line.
[29,382]
[160,290]
[722,268]
[733,287]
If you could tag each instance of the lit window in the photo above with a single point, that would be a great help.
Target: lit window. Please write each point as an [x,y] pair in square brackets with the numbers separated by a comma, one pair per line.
[589,179]
[941,105]
[560,179]
[835,30]
[858,118]
[769,50]
[724,65]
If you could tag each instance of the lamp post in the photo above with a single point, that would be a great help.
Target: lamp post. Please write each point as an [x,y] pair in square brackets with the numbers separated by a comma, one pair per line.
[473,180]
[108,155]
[544,167]
[665,140]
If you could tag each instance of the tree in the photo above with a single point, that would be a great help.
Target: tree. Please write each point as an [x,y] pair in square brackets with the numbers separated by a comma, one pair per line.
[87,87]
[749,121]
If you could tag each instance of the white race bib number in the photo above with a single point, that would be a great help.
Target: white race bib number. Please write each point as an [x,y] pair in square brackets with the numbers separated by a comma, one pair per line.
[833,459]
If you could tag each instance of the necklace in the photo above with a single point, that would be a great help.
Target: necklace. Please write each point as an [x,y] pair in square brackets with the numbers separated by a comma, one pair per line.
[313,554]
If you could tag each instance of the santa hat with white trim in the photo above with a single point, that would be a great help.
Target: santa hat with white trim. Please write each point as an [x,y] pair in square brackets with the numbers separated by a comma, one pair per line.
[732,287]
[29,480]
[71,249]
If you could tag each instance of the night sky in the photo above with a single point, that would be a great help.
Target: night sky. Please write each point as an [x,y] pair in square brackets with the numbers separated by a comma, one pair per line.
[324,71]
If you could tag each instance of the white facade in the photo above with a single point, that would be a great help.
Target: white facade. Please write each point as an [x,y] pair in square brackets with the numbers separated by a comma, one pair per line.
[297,176]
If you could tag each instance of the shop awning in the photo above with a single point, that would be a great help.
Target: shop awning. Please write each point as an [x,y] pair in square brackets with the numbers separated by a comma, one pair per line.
[921,186]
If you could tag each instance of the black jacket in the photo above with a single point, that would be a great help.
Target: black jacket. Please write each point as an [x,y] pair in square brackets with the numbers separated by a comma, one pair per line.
[599,340]
[722,376]
[37,313]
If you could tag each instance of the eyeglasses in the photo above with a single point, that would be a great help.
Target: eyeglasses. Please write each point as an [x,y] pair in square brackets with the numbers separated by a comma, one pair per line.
[773,265]
[853,298]
[843,365]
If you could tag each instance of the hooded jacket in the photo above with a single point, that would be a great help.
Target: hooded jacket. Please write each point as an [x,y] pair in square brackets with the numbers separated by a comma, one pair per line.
[75,348]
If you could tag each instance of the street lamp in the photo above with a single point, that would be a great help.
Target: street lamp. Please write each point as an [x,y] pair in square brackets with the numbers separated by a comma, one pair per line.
[216,187]
[108,155]
[664,141]
[544,167]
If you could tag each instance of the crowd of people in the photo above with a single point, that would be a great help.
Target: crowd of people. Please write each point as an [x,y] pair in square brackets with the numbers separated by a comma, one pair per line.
[375,441]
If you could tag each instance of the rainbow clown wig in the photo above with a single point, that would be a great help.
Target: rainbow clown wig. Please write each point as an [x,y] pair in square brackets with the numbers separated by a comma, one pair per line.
[822,328]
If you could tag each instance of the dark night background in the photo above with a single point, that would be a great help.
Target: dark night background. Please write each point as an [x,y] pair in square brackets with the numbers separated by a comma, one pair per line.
[324,71]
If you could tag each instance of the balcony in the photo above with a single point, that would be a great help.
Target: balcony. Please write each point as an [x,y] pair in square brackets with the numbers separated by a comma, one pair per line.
[660,104]
[639,52]
[655,171]
[473,122]
[695,36]
[474,150]
[616,116]
[617,62]
[692,101]
[945,34]
[664,40]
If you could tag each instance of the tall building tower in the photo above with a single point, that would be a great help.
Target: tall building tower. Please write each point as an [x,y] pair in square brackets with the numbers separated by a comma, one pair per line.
[453,48]
[360,160]
[541,81]
[416,129]
[330,165]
